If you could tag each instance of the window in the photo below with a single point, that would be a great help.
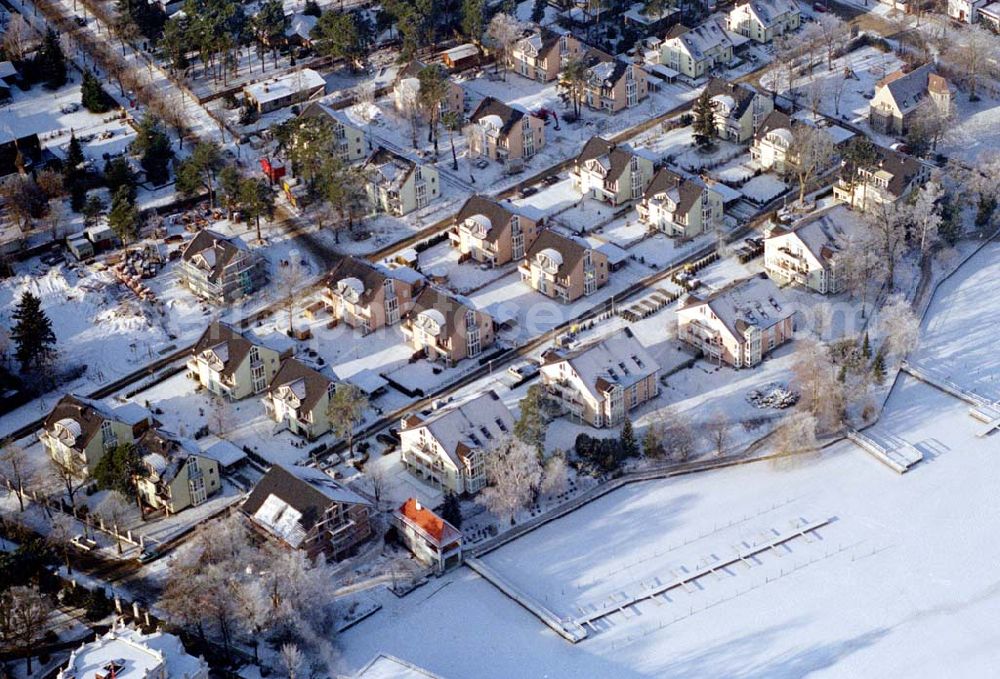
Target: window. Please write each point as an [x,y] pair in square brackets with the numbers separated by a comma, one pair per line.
[254,355]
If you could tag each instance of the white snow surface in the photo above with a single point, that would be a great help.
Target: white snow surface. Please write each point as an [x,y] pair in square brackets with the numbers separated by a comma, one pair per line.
[901,582]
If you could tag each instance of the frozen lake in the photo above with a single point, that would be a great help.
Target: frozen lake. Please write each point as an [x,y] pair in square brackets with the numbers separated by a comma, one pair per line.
[901,582]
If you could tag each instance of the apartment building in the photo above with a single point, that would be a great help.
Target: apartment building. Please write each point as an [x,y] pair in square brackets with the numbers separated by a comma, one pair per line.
[696,52]
[764,20]
[739,108]
[398,185]
[369,296]
[221,270]
[447,328]
[899,98]
[739,324]
[563,267]
[682,207]
[348,136]
[235,365]
[447,446]
[78,431]
[507,135]
[298,399]
[611,173]
[601,382]
[491,232]
[177,473]
[541,53]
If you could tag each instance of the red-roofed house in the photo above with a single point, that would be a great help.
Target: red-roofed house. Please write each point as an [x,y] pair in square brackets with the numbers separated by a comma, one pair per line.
[432,540]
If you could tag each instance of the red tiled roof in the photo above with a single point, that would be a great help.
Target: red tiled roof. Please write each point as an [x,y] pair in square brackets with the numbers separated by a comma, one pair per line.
[430,522]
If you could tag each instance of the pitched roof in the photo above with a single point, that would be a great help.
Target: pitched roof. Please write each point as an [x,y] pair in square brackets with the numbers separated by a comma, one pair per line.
[498,214]
[290,501]
[703,38]
[614,157]
[494,107]
[384,166]
[902,168]
[769,11]
[683,191]
[229,345]
[909,90]
[541,39]
[307,384]
[741,94]
[212,252]
[432,525]
[82,418]
[604,69]
[372,278]
[620,360]
[471,425]
[165,452]
[570,250]
[449,306]
[754,301]
[775,120]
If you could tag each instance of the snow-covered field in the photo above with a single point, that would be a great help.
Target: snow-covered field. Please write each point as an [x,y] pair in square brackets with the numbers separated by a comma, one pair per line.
[900,582]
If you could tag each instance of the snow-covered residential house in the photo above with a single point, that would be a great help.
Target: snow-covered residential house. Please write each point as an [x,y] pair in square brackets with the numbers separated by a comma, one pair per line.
[406,91]
[507,135]
[763,20]
[609,172]
[348,136]
[893,176]
[177,474]
[613,84]
[79,431]
[298,30]
[307,509]
[989,16]
[385,666]
[541,53]
[806,254]
[694,52]
[434,541]
[447,328]
[738,324]
[680,206]
[739,108]
[491,232]
[900,96]
[447,446]
[284,90]
[126,653]
[398,185]
[368,296]
[235,365]
[601,382]
[221,270]
[966,11]
[298,399]
[564,267]
[772,142]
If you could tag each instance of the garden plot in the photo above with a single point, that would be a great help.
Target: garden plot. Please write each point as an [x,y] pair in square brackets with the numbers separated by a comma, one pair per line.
[763,188]
[625,231]
[604,564]
[976,130]
[441,261]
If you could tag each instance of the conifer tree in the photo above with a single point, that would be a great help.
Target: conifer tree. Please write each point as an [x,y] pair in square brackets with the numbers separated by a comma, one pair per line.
[878,368]
[630,448]
[703,126]
[124,217]
[51,61]
[33,338]
[92,95]
[530,426]
[451,510]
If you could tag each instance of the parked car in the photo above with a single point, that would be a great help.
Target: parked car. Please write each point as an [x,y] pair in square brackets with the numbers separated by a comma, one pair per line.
[551,179]
[819,7]
[523,370]
[527,191]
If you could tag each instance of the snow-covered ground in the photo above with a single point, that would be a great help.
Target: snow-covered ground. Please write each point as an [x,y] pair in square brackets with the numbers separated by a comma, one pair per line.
[901,581]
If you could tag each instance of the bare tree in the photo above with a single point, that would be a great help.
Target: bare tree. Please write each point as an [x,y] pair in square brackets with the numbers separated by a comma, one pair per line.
[220,415]
[346,410]
[833,33]
[717,431]
[114,511]
[291,283]
[60,536]
[812,151]
[975,51]
[835,88]
[678,439]
[815,377]
[71,472]
[513,474]
[555,475]
[795,434]
[16,469]
[888,228]
[858,266]
[501,34]
[899,326]
[16,38]
[292,660]
[376,481]
[30,611]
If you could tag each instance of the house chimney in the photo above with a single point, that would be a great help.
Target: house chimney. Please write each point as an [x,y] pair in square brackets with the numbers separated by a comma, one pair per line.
[416,504]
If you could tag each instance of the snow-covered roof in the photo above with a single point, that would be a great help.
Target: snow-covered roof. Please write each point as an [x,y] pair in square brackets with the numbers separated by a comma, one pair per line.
[750,302]
[7,70]
[552,255]
[461,52]
[301,25]
[474,424]
[389,667]
[368,381]
[768,12]
[135,656]
[703,38]
[285,85]
[225,453]
[620,360]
